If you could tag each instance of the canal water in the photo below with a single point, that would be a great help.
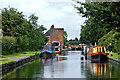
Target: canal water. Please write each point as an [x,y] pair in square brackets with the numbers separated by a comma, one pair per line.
[68,65]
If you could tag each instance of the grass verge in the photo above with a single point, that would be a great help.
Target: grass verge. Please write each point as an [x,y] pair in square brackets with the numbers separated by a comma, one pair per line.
[14,56]
[114,55]
[3,61]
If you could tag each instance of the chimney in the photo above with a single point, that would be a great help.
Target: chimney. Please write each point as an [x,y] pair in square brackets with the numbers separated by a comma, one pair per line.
[52,27]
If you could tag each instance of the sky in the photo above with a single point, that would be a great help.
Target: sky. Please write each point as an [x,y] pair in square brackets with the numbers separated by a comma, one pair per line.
[61,13]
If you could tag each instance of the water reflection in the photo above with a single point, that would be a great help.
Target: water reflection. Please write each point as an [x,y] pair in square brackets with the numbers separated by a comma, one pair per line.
[47,61]
[110,70]
[30,70]
[61,57]
[69,68]
[54,71]
[103,70]
[58,57]
[84,68]
[98,69]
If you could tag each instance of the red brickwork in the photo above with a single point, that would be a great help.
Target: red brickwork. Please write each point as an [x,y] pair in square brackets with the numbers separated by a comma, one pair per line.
[56,36]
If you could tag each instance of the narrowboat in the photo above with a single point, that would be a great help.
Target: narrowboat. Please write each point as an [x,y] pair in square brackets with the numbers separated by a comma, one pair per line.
[97,54]
[47,52]
[56,46]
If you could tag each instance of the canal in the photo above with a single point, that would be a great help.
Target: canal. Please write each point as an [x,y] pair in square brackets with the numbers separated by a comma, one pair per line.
[68,65]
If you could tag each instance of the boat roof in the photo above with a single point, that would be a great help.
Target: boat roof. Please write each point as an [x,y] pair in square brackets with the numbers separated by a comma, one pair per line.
[46,47]
[97,46]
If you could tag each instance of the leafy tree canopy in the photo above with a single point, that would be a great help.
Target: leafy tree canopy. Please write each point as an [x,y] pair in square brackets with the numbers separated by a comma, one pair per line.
[102,18]
[20,34]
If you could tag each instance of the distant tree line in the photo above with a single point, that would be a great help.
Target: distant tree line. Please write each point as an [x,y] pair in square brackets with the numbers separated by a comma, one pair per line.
[75,41]
[20,34]
[102,25]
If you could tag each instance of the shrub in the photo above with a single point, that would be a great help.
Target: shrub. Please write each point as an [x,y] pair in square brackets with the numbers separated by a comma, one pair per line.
[8,45]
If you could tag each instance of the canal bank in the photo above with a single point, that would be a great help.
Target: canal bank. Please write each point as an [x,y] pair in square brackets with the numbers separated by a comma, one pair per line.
[115,58]
[115,61]
[5,68]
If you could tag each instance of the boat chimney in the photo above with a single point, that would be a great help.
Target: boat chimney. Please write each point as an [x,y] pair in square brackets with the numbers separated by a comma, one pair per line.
[95,43]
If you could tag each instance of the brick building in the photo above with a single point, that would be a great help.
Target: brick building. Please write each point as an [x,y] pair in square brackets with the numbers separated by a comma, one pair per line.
[55,35]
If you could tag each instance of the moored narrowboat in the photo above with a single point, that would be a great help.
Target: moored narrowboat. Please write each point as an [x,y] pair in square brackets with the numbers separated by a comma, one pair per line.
[47,52]
[97,54]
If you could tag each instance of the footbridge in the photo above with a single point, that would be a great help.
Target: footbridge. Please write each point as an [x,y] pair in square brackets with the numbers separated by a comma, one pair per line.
[75,47]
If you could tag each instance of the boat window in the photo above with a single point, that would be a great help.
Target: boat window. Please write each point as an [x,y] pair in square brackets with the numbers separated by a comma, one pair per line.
[94,50]
[103,49]
[90,51]
[100,49]
[97,49]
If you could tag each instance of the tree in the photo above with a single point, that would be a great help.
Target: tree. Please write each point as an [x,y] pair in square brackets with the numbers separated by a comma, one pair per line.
[76,39]
[12,22]
[33,20]
[65,38]
[102,17]
[26,35]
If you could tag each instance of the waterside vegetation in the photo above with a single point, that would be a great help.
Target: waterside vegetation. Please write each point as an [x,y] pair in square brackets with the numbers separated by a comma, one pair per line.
[21,34]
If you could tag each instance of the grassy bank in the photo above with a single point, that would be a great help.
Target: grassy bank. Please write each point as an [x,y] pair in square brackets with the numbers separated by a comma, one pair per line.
[115,56]
[16,56]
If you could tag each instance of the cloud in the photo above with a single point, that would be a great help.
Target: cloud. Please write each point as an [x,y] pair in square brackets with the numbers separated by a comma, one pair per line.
[61,13]
[58,0]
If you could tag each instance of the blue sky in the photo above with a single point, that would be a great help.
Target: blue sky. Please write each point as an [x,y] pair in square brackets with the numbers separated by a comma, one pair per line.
[61,13]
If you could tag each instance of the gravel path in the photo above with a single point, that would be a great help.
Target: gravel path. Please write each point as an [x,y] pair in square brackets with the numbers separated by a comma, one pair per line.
[2,58]
[18,58]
